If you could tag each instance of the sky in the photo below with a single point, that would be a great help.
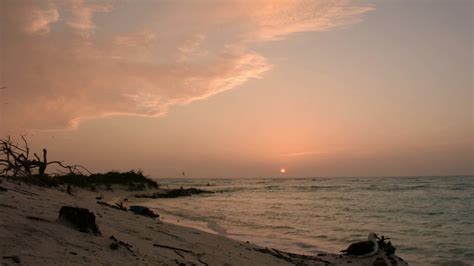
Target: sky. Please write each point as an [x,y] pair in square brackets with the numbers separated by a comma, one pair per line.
[242,88]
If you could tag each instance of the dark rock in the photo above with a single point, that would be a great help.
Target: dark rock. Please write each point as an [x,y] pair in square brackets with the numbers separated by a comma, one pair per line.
[175,193]
[140,210]
[82,219]
[114,246]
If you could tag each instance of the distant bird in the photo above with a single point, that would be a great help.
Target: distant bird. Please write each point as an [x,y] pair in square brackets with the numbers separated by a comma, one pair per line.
[184,174]
[363,248]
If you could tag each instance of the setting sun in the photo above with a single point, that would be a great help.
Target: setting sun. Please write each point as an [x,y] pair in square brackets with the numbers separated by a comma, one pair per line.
[282,170]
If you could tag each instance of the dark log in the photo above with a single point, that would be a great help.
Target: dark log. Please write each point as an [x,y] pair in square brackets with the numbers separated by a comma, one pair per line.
[120,243]
[173,248]
[117,207]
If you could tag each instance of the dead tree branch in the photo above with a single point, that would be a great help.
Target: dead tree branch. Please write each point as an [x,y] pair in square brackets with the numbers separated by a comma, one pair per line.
[15,160]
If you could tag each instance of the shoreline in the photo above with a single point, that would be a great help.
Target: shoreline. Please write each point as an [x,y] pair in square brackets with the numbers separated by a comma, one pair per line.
[31,234]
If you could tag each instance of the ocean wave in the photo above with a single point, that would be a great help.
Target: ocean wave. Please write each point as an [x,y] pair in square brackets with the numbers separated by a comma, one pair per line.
[417,213]
[303,245]
[316,187]
[394,187]
[272,187]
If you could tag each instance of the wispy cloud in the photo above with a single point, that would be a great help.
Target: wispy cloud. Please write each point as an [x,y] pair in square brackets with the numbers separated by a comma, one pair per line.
[42,18]
[82,13]
[277,20]
[72,60]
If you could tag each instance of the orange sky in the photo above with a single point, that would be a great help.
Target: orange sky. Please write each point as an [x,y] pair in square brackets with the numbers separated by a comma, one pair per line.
[227,89]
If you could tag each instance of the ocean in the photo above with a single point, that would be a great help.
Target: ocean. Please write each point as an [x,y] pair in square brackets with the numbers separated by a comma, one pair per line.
[430,220]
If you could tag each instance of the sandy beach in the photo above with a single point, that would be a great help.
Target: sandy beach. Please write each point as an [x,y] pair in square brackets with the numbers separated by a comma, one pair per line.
[31,234]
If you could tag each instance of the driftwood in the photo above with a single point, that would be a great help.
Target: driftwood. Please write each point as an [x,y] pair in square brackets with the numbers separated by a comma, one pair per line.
[116,206]
[15,160]
[176,250]
[34,218]
[173,248]
[386,246]
[120,243]
[291,257]
[299,259]
[21,191]
[179,254]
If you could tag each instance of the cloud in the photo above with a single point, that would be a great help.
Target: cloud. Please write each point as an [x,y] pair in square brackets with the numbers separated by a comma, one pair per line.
[41,18]
[189,49]
[33,18]
[82,13]
[66,61]
[140,39]
[305,16]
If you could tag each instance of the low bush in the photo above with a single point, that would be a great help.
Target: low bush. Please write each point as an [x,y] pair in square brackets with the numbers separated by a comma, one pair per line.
[134,180]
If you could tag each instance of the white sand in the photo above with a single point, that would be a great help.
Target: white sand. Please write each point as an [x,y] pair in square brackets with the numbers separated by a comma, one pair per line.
[29,230]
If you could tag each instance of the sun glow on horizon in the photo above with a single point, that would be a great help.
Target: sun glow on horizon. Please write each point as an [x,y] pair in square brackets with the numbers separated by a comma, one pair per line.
[282,170]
